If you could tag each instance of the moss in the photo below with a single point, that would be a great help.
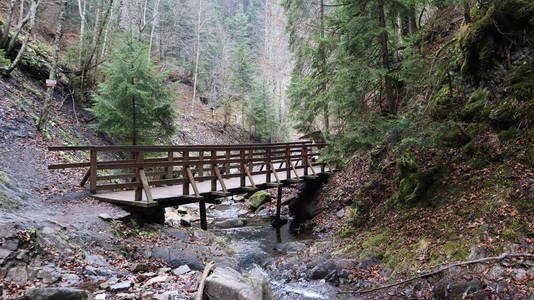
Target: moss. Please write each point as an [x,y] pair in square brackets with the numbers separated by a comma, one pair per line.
[512,230]
[416,185]
[348,233]
[459,250]
[520,82]
[442,106]
[477,108]
[371,247]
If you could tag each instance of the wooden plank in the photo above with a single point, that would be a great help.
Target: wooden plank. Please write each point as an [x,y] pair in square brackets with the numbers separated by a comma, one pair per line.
[213,166]
[242,167]
[250,177]
[311,166]
[274,172]
[170,157]
[185,188]
[221,181]
[294,170]
[146,187]
[268,165]
[192,181]
[86,177]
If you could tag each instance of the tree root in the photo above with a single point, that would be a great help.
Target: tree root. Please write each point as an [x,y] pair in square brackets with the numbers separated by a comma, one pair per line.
[459,264]
[207,270]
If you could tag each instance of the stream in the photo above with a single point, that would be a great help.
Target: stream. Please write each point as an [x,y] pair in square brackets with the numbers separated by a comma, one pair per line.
[257,244]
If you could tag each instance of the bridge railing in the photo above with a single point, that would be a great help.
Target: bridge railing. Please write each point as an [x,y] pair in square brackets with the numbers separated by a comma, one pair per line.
[148,166]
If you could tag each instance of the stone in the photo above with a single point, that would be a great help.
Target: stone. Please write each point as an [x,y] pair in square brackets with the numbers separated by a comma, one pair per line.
[167,295]
[90,270]
[95,260]
[4,254]
[139,268]
[18,274]
[227,283]
[321,271]
[158,279]
[48,275]
[177,257]
[55,294]
[117,216]
[259,198]
[100,297]
[185,222]
[121,286]
[181,270]
[162,271]
[230,223]
[340,213]
[448,289]
[105,217]
[125,296]
[110,282]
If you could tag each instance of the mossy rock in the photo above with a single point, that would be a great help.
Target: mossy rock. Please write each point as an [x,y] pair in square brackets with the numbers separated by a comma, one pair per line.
[478,107]
[416,185]
[258,199]
[520,82]
[507,114]
[443,106]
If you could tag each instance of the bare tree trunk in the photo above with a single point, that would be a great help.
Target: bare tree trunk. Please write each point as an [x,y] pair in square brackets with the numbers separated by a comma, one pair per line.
[106,34]
[81,9]
[21,10]
[15,36]
[155,19]
[43,119]
[391,106]
[197,58]
[5,33]
[32,12]
[323,67]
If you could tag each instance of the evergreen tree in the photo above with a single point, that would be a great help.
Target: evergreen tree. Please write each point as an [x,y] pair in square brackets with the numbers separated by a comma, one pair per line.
[133,103]
[262,116]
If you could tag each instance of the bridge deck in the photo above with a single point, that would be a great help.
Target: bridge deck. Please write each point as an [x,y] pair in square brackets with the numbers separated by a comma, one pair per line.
[172,195]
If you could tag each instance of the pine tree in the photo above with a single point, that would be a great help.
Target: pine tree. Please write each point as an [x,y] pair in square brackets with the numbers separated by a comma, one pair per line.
[133,103]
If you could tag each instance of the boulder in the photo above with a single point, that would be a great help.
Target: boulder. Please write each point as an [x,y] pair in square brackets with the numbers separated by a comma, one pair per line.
[230,223]
[448,289]
[55,294]
[121,286]
[259,198]
[177,257]
[181,270]
[228,284]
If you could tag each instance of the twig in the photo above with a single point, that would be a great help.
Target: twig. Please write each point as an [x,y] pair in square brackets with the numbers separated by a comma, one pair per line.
[476,261]
[207,271]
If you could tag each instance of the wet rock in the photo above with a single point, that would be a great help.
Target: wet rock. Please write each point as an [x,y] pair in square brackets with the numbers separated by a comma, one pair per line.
[448,289]
[55,294]
[139,268]
[259,198]
[181,270]
[227,283]
[321,271]
[121,286]
[177,257]
[230,223]
[159,279]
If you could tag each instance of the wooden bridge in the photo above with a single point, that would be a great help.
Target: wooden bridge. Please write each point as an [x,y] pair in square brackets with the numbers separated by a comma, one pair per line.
[160,176]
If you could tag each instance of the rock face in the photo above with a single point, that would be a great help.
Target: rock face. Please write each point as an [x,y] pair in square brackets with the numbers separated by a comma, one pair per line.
[228,284]
[55,294]
[258,199]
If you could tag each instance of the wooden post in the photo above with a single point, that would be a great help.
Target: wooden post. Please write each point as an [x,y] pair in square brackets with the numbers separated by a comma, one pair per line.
[221,181]
[184,167]
[268,164]
[192,181]
[203,219]
[213,175]
[288,162]
[93,169]
[170,157]
[242,167]
[201,165]
[85,177]
[139,157]
[251,159]
[227,165]
[279,203]
[304,158]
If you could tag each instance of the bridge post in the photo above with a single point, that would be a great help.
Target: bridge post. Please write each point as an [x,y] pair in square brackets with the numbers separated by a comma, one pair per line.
[184,170]
[279,203]
[305,159]
[288,162]
[213,175]
[227,165]
[139,157]
[268,164]
[203,218]
[242,167]
[93,170]
[201,165]
[170,158]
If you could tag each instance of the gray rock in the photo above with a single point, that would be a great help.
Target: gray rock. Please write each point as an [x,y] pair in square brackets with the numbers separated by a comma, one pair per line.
[227,283]
[18,274]
[90,270]
[125,296]
[181,270]
[55,294]
[177,257]
[48,275]
[159,279]
[162,271]
[95,260]
[321,271]
[448,289]
[340,213]
[230,223]
[167,295]
[4,253]
[105,217]
[139,268]
[121,286]
[110,282]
